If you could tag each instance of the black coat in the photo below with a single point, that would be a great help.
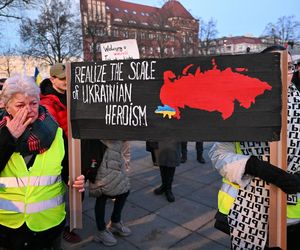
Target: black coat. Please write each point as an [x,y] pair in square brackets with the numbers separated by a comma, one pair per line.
[168,153]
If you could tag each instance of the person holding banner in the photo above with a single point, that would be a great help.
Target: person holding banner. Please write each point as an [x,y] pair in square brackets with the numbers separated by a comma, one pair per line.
[243,200]
[32,207]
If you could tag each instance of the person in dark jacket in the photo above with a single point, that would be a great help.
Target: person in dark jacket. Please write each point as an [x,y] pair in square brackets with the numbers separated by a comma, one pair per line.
[168,158]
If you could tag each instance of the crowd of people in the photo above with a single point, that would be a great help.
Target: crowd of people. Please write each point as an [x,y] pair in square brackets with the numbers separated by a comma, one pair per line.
[34,178]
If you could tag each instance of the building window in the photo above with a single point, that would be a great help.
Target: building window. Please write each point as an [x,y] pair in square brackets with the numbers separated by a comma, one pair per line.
[119,20]
[151,50]
[132,34]
[143,49]
[132,22]
[151,36]
[142,35]
[97,47]
[115,33]
[126,11]
[158,49]
[101,32]
[117,9]
[144,23]
[134,12]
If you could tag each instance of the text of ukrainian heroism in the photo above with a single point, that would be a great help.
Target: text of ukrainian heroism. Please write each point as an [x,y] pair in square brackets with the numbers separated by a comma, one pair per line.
[105,84]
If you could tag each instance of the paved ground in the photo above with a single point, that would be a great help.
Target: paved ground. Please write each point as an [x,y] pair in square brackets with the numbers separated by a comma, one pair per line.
[157,224]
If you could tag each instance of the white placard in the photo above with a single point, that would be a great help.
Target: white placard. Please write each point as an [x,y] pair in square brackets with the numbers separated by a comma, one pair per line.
[120,50]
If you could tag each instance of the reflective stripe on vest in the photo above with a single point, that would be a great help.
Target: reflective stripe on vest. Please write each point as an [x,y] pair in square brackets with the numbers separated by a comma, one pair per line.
[10,182]
[31,208]
[230,189]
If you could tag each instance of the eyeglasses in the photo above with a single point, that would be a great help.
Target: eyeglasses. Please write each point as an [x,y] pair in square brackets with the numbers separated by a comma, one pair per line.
[291,68]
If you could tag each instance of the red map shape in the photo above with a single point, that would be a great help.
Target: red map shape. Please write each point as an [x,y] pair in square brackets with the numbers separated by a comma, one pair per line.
[212,90]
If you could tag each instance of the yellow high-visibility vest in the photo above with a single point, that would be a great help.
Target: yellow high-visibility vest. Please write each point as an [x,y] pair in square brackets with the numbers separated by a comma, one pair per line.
[35,195]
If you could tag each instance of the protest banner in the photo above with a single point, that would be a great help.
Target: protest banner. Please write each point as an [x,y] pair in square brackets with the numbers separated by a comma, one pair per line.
[222,98]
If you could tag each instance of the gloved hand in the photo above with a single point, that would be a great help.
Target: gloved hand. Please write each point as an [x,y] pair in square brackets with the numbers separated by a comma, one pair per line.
[288,183]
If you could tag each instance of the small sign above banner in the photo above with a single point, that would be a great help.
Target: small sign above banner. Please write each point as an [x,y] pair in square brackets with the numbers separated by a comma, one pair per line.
[221,98]
[120,50]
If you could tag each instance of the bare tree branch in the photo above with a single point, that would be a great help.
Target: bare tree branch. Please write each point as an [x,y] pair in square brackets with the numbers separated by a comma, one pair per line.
[284,30]
[12,8]
[207,33]
[54,36]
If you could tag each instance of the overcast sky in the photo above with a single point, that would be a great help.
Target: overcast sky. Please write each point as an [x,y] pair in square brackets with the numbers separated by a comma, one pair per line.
[234,17]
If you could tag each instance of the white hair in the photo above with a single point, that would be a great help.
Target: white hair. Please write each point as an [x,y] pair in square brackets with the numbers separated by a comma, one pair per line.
[19,84]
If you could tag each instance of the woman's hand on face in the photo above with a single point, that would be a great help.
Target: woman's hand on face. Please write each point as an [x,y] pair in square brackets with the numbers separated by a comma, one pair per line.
[79,183]
[18,123]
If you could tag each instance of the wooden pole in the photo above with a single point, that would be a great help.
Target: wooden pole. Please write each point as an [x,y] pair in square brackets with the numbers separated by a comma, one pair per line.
[278,157]
[74,164]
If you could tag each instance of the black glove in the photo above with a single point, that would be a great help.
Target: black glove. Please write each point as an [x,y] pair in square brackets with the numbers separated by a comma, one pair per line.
[288,183]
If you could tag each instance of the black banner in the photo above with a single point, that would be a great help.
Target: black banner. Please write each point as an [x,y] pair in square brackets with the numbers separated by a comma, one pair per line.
[221,98]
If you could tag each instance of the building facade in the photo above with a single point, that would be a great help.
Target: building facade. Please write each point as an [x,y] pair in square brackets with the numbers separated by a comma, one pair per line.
[169,31]
[232,45]
[12,64]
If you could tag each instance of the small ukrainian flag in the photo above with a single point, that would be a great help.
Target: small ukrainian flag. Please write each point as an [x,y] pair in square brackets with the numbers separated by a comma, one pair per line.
[37,76]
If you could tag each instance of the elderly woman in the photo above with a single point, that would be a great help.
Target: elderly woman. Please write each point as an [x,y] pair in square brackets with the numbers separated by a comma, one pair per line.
[32,208]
